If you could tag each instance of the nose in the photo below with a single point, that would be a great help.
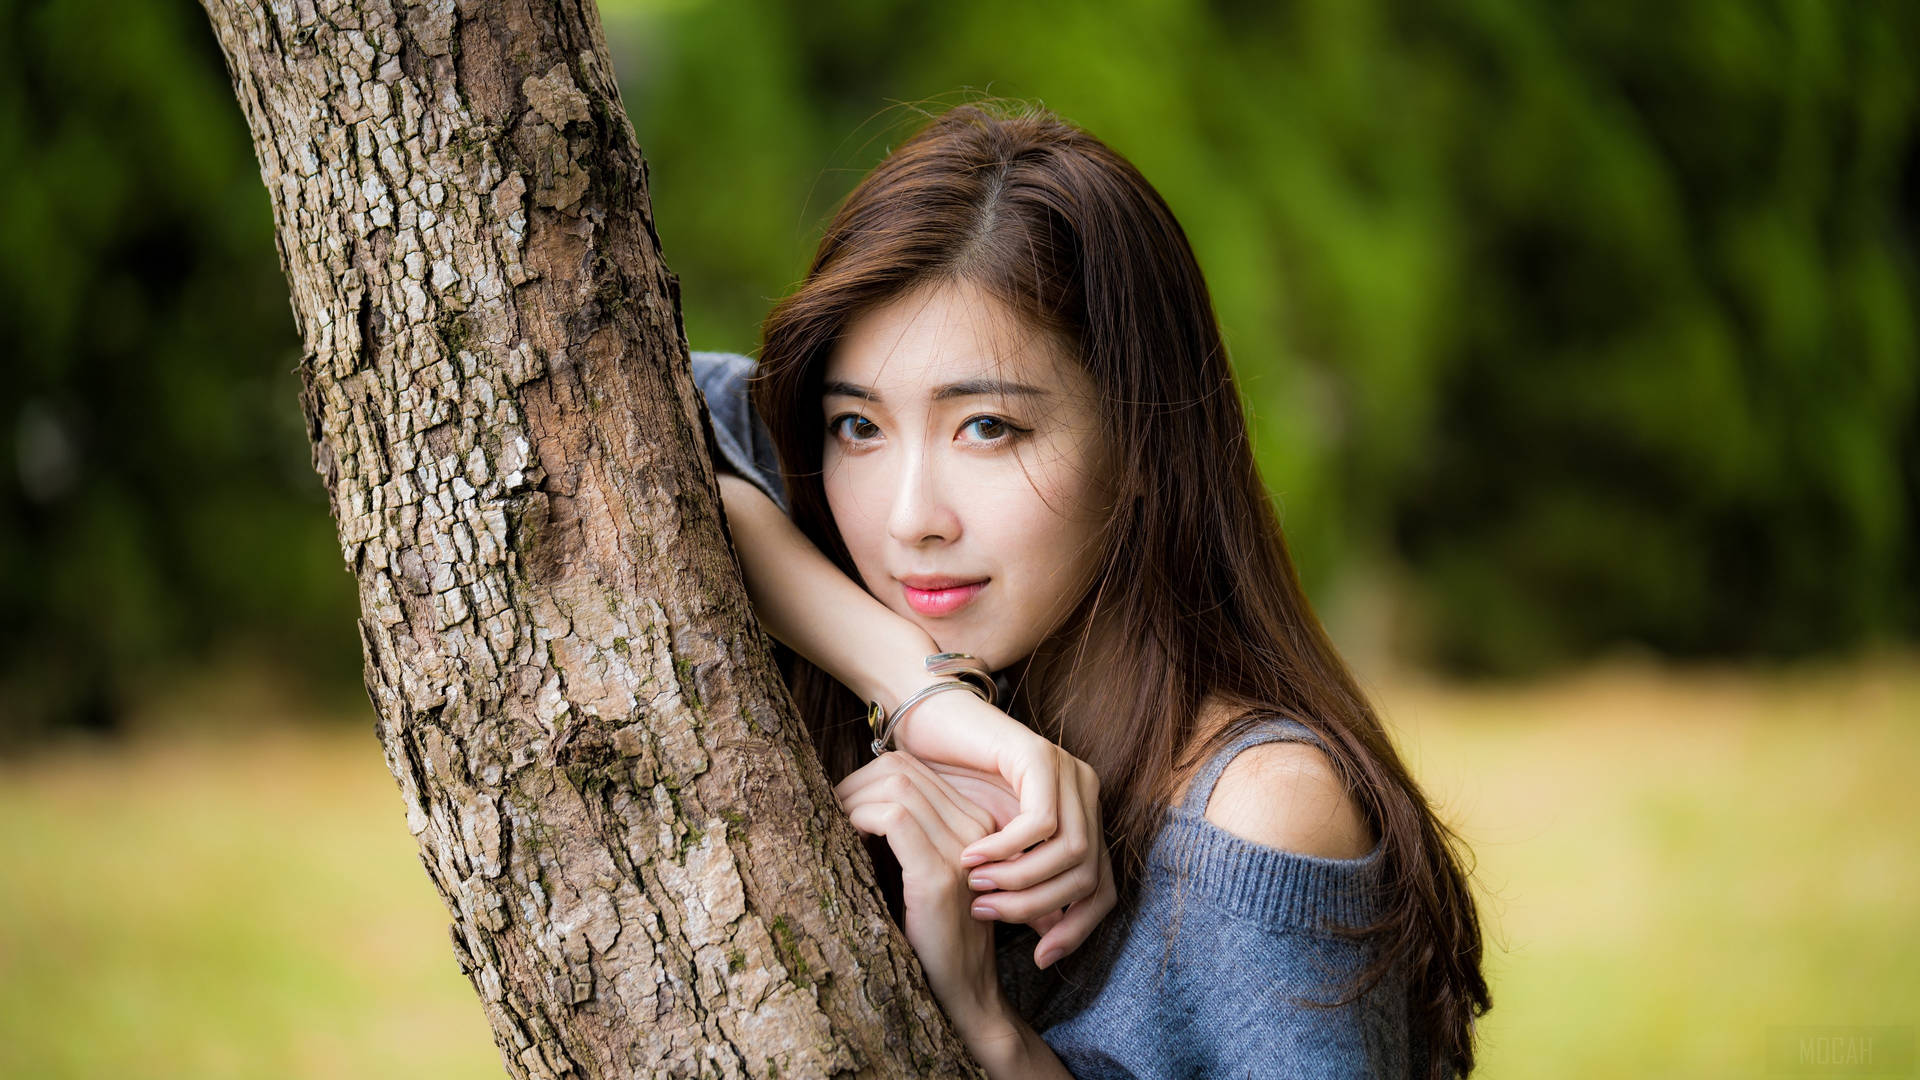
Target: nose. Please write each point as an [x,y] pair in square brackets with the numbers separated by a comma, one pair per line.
[921,512]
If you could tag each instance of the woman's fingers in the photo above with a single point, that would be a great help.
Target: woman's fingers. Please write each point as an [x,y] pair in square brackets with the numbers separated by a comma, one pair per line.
[1068,848]
[913,829]
[871,773]
[1046,922]
[969,821]
[1062,886]
[985,790]
[900,788]
[1072,929]
[1027,905]
[917,852]
[1036,776]
[898,777]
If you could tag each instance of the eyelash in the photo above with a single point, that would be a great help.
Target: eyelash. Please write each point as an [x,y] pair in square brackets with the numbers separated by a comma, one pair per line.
[1014,431]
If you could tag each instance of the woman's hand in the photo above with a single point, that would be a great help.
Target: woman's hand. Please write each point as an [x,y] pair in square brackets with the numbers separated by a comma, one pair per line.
[807,603]
[1036,794]
[927,823]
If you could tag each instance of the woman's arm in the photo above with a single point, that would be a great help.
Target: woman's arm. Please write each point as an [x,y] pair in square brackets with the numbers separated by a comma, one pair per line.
[1044,859]
[806,603]
[927,822]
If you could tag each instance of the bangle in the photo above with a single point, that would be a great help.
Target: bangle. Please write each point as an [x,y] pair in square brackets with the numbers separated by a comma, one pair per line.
[876,714]
[966,667]
[973,676]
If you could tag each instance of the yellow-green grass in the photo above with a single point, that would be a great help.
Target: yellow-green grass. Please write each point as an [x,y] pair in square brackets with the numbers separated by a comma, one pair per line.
[224,906]
[1669,862]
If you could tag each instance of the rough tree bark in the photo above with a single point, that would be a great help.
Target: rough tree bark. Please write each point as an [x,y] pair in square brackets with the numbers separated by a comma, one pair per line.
[645,866]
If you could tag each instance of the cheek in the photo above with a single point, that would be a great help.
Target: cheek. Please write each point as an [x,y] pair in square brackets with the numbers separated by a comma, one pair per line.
[1053,535]
[1070,472]
[852,497]
[1034,540]
[860,520]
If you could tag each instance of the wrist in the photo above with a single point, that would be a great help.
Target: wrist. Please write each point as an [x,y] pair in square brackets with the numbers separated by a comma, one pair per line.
[893,672]
[959,728]
[984,1016]
[907,688]
[998,1038]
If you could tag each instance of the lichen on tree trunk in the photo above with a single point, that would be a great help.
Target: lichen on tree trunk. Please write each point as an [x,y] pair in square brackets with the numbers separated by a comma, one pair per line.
[645,866]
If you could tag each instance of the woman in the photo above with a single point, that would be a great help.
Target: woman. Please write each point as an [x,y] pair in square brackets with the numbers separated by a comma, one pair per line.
[997,418]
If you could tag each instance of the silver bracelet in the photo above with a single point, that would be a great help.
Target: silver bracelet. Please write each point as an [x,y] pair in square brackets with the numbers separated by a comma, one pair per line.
[968,668]
[876,714]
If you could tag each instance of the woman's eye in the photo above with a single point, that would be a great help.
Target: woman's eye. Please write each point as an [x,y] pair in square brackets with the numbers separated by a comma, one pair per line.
[860,423]
[993,429]
[855,428]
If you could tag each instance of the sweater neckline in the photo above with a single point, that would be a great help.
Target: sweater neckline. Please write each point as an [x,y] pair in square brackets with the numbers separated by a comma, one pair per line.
[1254,880]
[1269,885]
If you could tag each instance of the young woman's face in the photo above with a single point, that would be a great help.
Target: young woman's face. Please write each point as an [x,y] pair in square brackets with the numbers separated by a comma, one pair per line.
[964,469]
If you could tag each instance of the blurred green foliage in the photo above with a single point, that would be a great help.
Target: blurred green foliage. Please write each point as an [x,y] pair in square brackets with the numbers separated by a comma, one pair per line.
[158,503]
[1581,323]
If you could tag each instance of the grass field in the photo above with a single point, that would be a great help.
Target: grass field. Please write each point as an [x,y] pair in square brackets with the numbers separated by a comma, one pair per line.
[1671,862]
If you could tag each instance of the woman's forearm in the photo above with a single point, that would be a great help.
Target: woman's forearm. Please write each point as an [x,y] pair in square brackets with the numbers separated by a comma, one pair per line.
[810,606]
[813,608]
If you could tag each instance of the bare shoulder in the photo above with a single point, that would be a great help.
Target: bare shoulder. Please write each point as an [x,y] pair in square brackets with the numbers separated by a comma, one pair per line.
[1288,795]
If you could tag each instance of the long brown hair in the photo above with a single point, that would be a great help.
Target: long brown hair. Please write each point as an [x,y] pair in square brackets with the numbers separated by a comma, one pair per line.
[1197,595]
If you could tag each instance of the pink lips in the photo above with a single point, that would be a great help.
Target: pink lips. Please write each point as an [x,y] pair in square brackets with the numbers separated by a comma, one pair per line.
[943,601]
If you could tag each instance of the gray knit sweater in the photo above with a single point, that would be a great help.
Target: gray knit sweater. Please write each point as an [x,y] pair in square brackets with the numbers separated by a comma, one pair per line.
[1211,970]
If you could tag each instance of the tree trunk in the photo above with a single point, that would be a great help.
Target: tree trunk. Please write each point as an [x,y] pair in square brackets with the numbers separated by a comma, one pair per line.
[646,869]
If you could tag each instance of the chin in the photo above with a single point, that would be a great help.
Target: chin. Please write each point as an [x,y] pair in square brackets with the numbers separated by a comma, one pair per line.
[951,640]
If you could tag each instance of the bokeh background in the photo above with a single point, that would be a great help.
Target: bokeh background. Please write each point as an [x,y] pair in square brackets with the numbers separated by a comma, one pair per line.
[1580,345]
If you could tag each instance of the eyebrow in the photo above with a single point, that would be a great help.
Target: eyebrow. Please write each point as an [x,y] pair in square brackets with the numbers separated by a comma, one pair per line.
[964,388]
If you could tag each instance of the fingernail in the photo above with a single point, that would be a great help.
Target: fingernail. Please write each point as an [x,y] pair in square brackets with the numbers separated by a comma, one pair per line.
[1047,958]
[982,911]
[972,860]
[980,883]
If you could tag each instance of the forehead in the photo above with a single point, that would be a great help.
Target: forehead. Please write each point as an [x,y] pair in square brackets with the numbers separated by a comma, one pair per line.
[942,334]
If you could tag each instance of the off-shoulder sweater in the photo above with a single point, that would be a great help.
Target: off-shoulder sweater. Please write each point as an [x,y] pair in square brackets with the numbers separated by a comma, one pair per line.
[1213,968]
